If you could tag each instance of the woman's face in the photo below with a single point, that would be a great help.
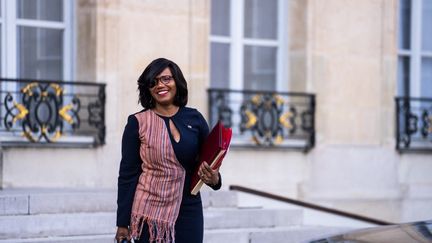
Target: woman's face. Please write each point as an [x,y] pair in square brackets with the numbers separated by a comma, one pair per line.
[164,89]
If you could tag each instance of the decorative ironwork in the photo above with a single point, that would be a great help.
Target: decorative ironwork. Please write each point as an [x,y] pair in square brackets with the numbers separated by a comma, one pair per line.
[265,119]
[51,112]
[413,124]
[96,111]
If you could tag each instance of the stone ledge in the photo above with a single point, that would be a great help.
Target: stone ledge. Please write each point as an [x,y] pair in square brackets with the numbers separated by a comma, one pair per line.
[14,205]
[46,201]
[75,224]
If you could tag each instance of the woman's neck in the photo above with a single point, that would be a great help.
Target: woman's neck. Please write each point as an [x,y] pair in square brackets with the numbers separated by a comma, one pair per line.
[169,110]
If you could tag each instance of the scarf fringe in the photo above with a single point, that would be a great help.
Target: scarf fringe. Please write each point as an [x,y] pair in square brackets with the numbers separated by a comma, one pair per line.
[159,231]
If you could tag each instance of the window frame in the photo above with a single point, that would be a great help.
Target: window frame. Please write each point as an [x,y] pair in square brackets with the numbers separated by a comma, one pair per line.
[237,42]
[415,52]
[10,23]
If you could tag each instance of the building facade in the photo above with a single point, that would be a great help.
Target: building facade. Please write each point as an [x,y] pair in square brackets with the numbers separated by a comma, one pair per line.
[308,86]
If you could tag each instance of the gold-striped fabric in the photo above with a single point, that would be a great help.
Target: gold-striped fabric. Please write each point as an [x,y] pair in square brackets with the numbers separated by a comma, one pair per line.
[160,187]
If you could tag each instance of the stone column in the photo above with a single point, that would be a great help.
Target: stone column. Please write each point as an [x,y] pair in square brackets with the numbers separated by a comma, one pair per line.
[351,51]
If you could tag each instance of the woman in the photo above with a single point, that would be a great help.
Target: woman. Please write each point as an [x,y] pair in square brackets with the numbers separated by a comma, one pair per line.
[160,147]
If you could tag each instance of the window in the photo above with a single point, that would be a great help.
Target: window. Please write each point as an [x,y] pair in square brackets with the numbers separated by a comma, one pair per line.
[415,48]
[1,37]
[248,44]
[414,114]
[37,44]
[36,39]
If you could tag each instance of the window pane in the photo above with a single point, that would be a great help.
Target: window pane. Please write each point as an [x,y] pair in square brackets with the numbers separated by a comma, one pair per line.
[404,24]
[427,25]
[40,53]
[40,9]
[220,17]
[220,63]
[426,78]
[403,76]
[260,68]
[260,19]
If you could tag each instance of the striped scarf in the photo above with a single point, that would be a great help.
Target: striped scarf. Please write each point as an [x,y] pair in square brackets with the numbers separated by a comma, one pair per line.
[160,186]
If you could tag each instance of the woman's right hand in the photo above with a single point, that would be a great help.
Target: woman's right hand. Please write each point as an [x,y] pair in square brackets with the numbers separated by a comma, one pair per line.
[122,233]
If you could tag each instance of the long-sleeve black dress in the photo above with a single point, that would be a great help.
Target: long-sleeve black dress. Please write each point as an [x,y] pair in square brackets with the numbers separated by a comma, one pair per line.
[193,130]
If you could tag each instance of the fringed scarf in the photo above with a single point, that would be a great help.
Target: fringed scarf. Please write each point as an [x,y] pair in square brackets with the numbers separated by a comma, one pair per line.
[160,186]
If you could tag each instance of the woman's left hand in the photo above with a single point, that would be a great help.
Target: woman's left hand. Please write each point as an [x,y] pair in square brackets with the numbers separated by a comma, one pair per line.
[208,175]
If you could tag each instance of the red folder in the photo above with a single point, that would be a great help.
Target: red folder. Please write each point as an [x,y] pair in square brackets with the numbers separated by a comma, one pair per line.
[213,151]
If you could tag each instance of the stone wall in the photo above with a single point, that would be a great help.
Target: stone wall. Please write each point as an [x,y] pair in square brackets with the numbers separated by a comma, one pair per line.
[344,51]
[115,41]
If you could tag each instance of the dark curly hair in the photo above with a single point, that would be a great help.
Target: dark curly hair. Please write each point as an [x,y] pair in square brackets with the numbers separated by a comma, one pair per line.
[150,73]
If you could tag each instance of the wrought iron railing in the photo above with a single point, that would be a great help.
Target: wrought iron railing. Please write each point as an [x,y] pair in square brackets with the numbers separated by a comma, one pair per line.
[413,124]
[309,205]
[37,112]
[264,118]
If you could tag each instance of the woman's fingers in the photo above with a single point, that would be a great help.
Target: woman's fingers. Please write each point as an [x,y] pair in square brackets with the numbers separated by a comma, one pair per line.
[207,174]
[122,233]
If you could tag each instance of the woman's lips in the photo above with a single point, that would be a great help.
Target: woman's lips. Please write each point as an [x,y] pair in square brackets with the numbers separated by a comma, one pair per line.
[162,92]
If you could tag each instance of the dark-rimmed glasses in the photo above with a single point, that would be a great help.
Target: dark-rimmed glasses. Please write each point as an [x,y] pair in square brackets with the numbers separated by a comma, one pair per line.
[166,79]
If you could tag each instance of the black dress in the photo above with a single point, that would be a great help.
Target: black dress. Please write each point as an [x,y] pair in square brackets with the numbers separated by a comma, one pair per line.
[193,130]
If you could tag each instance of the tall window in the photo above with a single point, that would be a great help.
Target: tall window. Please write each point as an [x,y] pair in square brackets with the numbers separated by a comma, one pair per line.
[415,48]
[248,44]
[37,41]
[1,37]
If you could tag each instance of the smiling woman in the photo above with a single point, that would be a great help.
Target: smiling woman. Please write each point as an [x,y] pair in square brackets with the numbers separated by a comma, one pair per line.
[160,148]
[163,92]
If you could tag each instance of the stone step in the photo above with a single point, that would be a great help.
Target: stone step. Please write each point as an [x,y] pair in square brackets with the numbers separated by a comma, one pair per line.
[74,224]
[42,225]
[106,238]
[287,234]
[24,202]
[251,217]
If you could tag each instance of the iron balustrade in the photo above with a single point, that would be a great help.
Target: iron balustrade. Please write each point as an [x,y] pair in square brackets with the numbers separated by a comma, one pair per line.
[309,205]
[413,124]
[264,118]
[51,113]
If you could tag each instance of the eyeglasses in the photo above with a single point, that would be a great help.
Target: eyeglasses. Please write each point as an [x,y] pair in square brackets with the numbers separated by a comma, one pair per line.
[164,79]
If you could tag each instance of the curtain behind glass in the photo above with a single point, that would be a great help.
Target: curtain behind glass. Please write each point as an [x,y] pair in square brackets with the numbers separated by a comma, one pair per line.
[403,76]
[219,62]
[260,68]
[39,48]
[51,10]
[404,42]
[426,78]
[1,43]
[220,17]
[40,53]
[261,19]
[405,24]
[220,52]
[427,25]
